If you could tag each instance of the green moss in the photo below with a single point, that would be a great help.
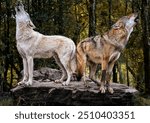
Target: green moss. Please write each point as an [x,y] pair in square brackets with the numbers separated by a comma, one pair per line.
[6,102]
[142,101]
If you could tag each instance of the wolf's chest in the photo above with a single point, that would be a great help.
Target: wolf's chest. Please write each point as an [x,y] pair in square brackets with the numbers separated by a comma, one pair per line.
[25,48]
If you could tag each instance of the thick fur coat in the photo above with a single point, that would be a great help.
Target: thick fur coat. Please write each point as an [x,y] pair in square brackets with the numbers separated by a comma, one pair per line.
[105,50]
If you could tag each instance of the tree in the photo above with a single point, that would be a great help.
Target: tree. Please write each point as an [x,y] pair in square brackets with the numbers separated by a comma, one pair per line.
[60,17]
[110,24]
[145,16]
[92,17]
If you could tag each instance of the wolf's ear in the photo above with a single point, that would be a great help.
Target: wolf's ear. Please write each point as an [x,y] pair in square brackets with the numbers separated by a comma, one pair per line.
[30,24]
[118,25]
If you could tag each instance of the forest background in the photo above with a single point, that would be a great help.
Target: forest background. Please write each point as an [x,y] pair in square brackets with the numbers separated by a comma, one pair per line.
[78,19]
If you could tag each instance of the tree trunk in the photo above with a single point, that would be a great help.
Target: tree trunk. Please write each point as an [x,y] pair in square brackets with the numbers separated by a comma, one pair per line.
[1,82]
[28,5]
[78,26]
[115,79]
[120,74]
[146,42]
[132,6]
[92,17]
[110,23]
[126,6]
[6,51]
[110,12]
[60,17]
[128,82]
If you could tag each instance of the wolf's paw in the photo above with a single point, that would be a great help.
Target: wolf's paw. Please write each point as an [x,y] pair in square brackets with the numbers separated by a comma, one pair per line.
[65,83]
[58,81]
[29,83]
[86,84]
[102,89]
[110,90]
[74,78]
[21,83]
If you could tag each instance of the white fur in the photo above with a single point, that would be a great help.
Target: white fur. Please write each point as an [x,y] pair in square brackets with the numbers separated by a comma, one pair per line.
[129,26]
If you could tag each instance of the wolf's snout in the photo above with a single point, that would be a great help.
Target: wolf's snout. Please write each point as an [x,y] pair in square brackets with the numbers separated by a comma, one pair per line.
[136,15]
[19,3]
[19,6]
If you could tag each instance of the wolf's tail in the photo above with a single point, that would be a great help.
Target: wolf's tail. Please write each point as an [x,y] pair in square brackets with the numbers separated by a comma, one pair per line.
[80,61]
[73,62]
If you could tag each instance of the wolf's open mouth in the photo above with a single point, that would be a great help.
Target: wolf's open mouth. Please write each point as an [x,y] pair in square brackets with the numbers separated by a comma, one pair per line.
[136,19]
[18,8]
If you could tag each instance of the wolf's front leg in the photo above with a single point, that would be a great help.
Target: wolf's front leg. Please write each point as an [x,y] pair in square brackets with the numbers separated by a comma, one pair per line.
[103,79]
[108,77]
[25,72]
[108,80]
[30,70]
[64,74]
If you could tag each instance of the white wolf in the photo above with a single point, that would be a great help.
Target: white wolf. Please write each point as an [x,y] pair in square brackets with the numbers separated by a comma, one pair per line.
[32,44]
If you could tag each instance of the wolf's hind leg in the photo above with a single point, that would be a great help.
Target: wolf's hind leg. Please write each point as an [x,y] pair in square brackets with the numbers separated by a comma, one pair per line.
[108,76]
[108,79]
[66,65]
[92,70]
[64,73]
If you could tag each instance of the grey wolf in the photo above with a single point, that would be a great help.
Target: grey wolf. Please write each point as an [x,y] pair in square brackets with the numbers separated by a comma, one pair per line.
[31,44]
[104,50]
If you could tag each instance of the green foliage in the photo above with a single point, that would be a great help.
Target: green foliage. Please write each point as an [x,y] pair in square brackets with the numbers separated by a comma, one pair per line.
[6,102]
[142,101]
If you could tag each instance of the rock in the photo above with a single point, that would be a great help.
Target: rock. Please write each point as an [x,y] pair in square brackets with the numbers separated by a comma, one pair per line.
[47,74]
[76,94]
